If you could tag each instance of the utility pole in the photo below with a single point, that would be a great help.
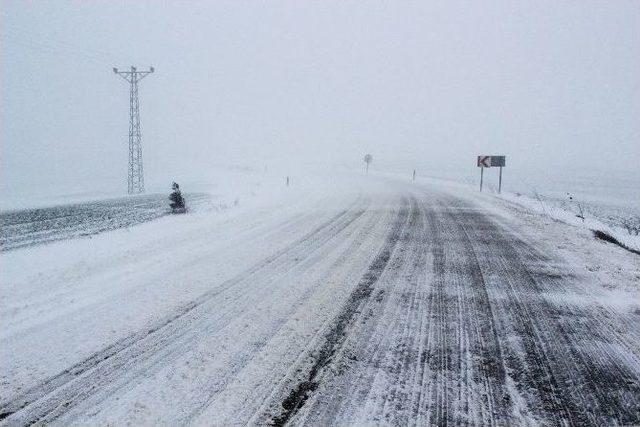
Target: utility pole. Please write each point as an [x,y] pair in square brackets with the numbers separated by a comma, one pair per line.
[135,177]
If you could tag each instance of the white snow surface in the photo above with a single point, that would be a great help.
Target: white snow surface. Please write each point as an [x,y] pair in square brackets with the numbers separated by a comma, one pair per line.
[62,302]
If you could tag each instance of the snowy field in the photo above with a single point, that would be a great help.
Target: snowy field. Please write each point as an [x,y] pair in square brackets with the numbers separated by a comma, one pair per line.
[609,200]
[28,227]
[342,300]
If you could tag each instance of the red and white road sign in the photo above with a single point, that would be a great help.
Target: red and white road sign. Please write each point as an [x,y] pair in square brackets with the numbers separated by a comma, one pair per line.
[484,161]
[491,161]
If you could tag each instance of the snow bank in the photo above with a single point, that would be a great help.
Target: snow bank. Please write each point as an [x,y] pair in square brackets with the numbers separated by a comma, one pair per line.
[554,208]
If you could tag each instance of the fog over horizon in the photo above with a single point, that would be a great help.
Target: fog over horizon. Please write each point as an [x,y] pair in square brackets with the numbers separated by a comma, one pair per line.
[554,86]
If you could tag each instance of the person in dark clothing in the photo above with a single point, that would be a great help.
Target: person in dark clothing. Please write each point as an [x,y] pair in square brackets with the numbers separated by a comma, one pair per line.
[177,201]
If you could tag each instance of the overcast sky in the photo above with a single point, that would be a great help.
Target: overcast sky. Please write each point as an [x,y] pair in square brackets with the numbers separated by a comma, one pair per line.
[553,85]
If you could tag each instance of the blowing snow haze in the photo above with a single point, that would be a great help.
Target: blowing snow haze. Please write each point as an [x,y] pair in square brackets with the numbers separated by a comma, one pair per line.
[314,246]
[555,86]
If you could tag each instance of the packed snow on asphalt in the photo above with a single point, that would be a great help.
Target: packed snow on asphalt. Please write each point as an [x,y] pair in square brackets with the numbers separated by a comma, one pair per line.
[355,300]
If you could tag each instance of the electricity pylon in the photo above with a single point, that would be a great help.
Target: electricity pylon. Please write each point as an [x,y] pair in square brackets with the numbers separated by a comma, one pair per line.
[135,177]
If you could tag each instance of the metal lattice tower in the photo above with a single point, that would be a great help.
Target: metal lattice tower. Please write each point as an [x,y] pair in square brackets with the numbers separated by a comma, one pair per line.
[135,177]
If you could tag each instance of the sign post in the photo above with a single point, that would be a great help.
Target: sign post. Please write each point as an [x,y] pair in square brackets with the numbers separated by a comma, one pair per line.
[368,158]
[491,161]
[483,162]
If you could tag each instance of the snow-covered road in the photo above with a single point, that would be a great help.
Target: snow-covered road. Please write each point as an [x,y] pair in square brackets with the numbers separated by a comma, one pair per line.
[393,303]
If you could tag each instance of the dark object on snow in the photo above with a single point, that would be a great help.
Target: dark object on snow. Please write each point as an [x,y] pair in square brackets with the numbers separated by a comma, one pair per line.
[609,238]
[177,201]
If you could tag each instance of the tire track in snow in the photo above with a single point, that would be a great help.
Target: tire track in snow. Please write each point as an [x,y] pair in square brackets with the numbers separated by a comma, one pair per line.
[58,394]
[395,367]
[408,311]
[565,364]
[477,342]
[335,336]
[473,370]
[304,295]
[205,388]
[414,362]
